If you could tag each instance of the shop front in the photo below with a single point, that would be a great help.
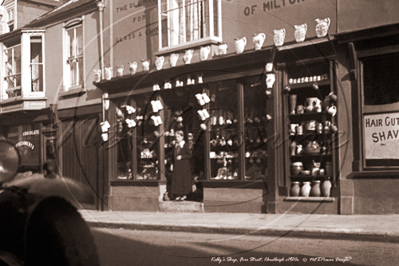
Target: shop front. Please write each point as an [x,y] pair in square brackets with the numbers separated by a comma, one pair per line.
[243,125]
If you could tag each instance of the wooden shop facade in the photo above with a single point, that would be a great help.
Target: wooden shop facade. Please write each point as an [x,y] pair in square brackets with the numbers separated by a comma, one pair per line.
[289,106]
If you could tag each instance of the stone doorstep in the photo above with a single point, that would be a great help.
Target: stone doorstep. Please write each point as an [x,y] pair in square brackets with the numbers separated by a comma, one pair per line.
[181,206]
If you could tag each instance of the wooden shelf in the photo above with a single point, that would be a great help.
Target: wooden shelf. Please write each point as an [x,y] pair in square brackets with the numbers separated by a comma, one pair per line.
[309,84]
[308,177]
[309,115]
[302,156]
[329,199]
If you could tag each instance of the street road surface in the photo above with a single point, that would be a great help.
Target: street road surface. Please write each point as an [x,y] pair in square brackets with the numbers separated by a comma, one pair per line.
[131,247]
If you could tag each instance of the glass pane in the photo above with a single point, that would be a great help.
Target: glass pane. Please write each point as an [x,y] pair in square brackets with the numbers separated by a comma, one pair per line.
[216,17]
[176,22]
[17,59]
[37,78]
[36,52]
[79,40]
[71,42]
[380,80]
[255,133]
[73,73]
[80,81]
[224,134]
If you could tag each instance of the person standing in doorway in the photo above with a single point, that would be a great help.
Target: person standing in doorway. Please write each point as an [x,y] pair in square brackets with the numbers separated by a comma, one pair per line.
[182,177]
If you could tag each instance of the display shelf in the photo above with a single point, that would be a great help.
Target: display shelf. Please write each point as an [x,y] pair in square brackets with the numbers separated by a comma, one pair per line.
[309,115]
[309,177]
[306,136]
[329,199]
[325,82]
[311,156]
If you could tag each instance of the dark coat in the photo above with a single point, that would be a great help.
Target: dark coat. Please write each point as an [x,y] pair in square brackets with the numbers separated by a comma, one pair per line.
[182,177]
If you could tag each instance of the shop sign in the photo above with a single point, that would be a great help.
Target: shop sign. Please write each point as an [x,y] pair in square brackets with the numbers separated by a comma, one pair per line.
[25,143]
[381,136]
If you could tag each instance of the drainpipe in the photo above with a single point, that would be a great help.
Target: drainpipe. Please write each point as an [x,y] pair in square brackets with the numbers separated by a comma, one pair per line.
[101,6]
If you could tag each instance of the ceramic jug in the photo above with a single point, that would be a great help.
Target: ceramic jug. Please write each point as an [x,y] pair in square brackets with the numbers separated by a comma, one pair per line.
[295,189]
[322,27]
[270,79]
[173,59]
[204,52]
[305,190]
[119,70]
[240,44]
[222,48]
[326,188]
[145,64]
[315,190]
[97,75]
[312,104]
[188,55]
[258,40]
[108,73]
[132,68]
[279,36]
[159,62]
[300,32]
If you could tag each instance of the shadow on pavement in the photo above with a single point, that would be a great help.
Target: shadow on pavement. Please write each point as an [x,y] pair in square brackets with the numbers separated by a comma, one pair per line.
[117,250]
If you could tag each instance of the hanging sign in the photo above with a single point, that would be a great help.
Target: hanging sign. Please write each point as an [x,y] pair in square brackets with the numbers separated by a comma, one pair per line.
[381,136]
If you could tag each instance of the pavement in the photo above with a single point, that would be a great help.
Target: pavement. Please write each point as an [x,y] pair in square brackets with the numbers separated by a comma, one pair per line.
[382,228]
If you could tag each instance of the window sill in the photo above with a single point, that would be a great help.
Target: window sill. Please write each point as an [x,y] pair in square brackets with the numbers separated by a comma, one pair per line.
[259,184]
[21,99]
[135,183]
[382,174]
[72,91]
[192,44]
[316,199]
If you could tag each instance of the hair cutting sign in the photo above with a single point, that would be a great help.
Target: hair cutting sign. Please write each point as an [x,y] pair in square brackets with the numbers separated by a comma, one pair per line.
[382,136]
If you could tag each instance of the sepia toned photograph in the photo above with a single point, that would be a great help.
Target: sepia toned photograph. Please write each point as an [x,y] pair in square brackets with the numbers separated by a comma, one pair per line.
[199,132]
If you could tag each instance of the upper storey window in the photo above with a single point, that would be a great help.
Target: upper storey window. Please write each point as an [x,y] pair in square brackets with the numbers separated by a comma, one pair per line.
[187,22]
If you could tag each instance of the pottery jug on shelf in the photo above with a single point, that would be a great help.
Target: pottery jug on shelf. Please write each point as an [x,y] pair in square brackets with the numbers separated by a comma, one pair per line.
[279,36]
[204,52]
[97,75]
[322,27]
[159,62]
[315,190]
[119,70]
[145,64]
[300,32]
[108,73]
[173,59]
[295,189]
[240,45]
[326,187]
[258,40]
[222,48]
[305,190]
[313,104]
[132,68]
[188,55]
[313,147]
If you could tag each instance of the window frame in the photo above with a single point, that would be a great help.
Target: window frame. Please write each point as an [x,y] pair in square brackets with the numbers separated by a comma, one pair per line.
[42,93]
[5,76]
[67,86]
[211,38]
[371,110]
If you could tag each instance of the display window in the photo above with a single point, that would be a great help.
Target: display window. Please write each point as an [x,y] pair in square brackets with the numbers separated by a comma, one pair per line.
[380,111]
[255,121]
[27,139]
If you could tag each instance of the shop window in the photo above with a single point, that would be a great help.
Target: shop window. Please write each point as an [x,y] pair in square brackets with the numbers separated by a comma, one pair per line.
[137,145]
[381,110]
[185,21]
[27,139]
[224,133]
[12,67]
[73,72]
[255,120]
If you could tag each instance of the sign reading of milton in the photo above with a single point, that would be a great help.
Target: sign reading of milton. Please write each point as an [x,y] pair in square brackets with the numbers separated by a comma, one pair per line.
[382,136]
